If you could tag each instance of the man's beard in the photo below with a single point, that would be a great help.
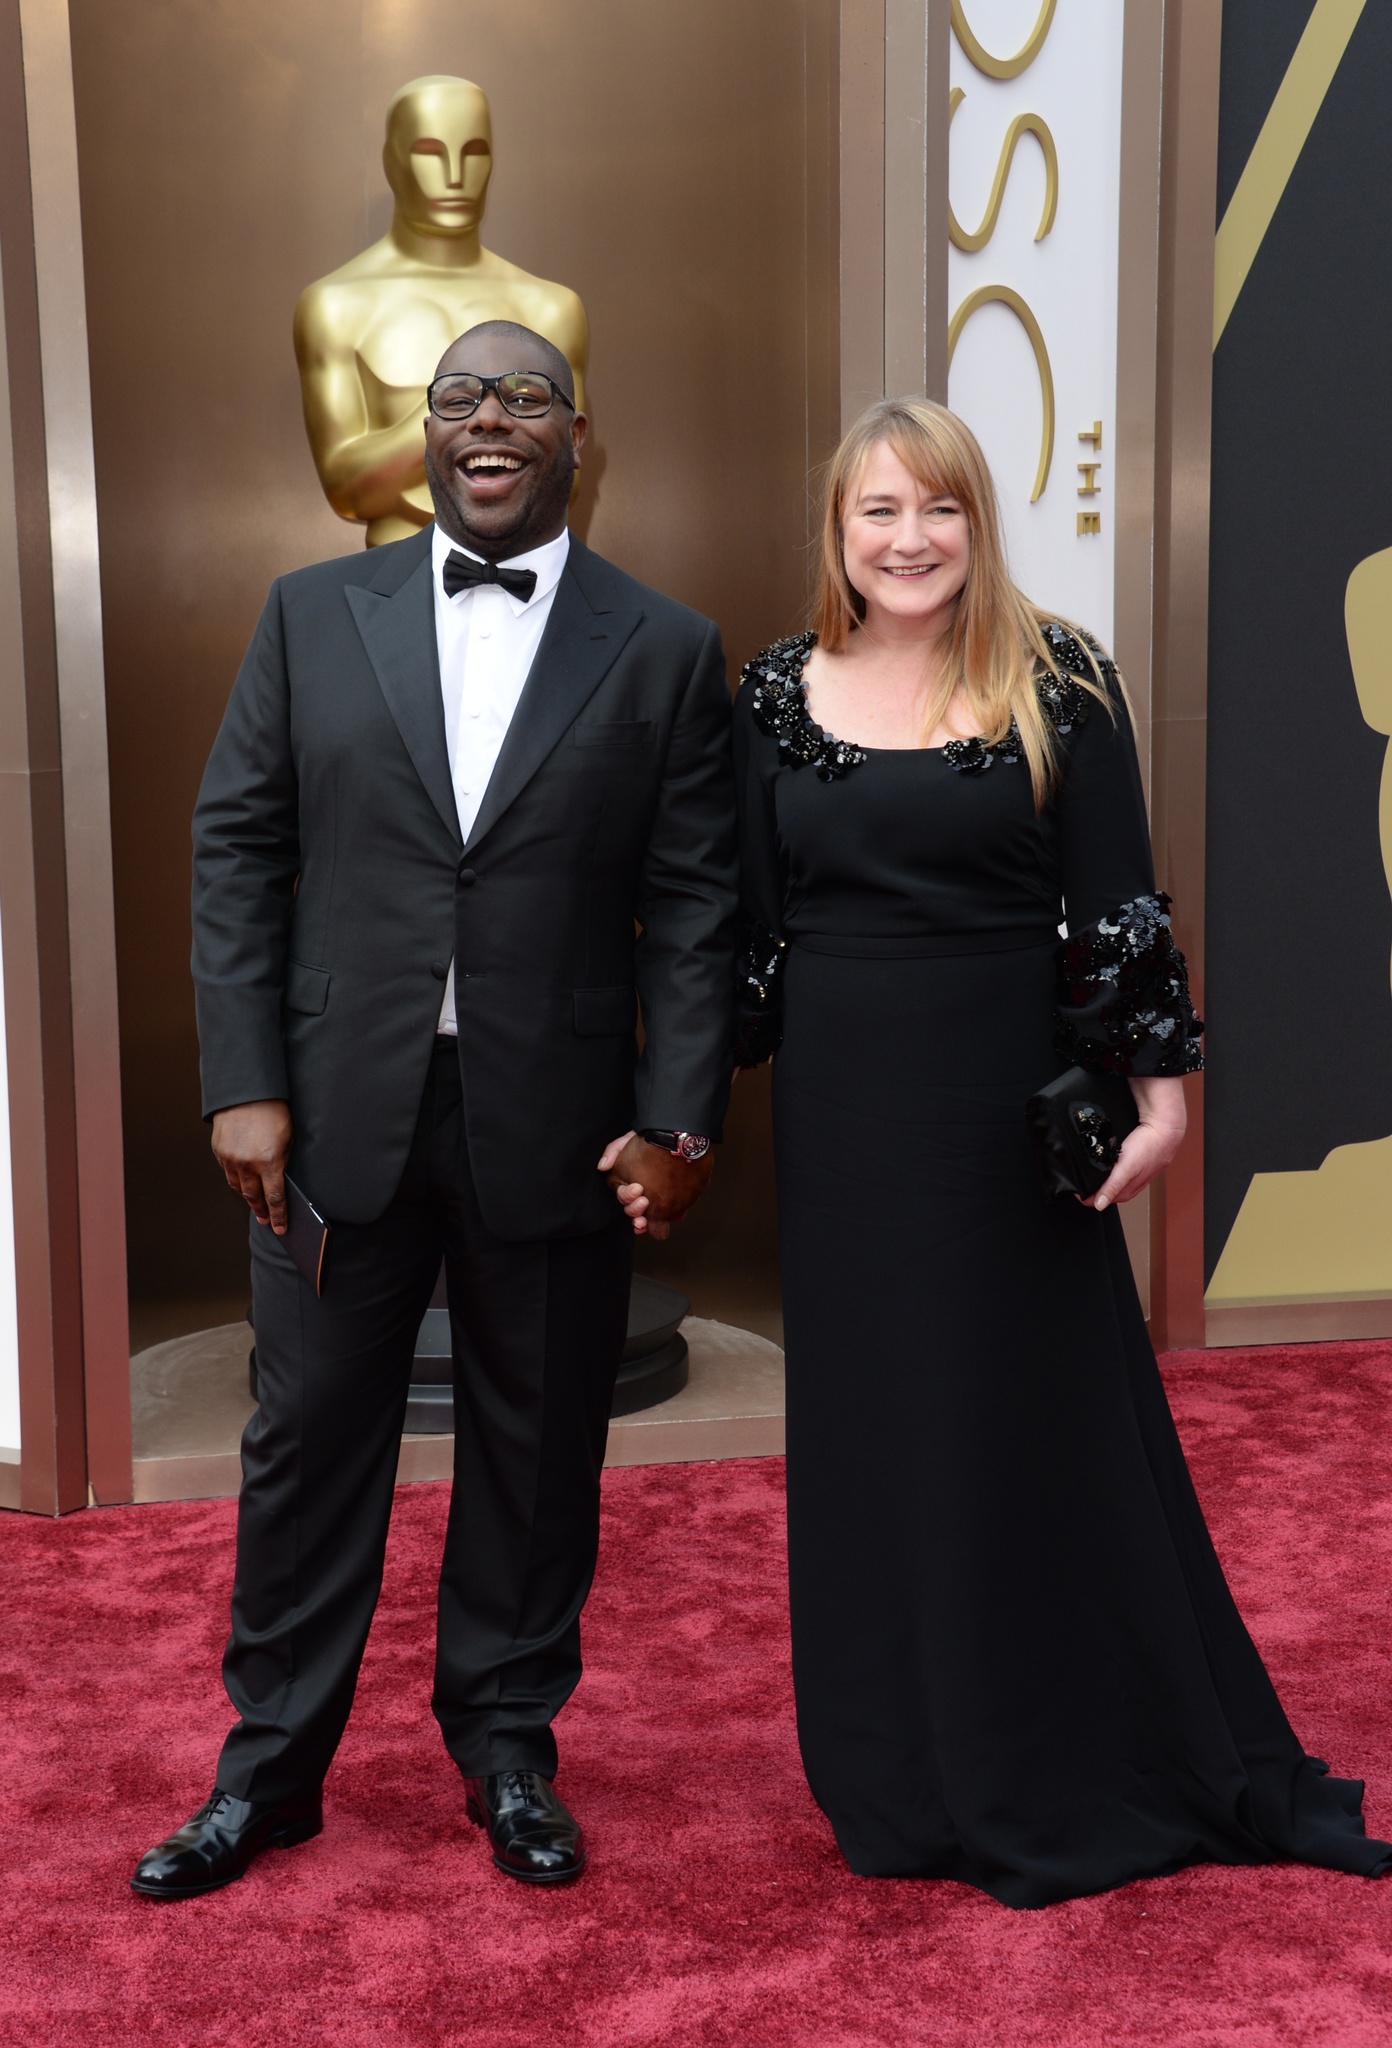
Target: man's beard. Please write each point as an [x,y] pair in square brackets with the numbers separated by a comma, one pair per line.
[540,507]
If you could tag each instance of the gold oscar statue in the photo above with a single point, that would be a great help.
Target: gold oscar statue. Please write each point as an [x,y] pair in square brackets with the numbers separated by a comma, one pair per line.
[368,336]
[1327,1234]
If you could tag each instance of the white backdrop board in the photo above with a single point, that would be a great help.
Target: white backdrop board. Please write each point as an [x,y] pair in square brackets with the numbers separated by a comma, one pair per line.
[1058,326]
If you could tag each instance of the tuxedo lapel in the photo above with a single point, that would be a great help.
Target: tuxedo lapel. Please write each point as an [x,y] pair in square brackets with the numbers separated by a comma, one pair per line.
[396,619]
[589,624]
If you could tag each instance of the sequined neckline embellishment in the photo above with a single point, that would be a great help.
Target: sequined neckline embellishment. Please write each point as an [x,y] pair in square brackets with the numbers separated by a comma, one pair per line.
[780,709]
[1064,703]
[971,757]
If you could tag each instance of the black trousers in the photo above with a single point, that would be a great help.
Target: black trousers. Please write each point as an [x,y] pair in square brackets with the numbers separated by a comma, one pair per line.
[539,1330]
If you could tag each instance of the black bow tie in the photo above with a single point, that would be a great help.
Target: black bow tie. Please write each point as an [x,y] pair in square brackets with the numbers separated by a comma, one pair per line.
[462,572]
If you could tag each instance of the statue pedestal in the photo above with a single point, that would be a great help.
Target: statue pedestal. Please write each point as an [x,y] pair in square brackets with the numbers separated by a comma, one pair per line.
[655,1364]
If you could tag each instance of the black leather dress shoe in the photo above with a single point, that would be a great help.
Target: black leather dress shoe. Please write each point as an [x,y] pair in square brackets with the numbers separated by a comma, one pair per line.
[534,1835]
[217,1845]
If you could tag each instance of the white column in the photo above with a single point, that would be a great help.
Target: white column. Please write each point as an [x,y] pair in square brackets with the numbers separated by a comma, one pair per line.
[1055,333]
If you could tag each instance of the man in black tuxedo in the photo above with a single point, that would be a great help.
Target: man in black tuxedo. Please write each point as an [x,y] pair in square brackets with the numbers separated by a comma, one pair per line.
[470,806]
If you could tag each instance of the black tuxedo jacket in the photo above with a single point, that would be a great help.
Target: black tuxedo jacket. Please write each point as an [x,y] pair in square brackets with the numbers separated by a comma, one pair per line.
[331,888]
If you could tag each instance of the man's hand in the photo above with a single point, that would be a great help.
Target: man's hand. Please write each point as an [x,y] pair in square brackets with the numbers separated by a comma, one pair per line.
[251,1143]
[655,1188]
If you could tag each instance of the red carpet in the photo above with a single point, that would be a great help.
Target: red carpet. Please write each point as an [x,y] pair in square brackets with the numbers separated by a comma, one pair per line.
[716,1910]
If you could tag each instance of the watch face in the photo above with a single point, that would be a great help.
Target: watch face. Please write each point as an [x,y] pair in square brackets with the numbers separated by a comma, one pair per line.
[681,1144]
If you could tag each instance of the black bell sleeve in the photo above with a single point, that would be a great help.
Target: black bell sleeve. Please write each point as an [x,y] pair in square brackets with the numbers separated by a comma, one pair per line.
[1123,1004]
[1123,995]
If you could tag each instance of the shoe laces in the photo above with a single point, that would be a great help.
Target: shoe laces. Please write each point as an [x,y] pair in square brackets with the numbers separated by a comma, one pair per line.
[520,1788]
[217,1804]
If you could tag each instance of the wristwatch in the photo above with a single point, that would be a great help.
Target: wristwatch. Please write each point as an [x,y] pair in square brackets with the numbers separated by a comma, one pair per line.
[681,1144]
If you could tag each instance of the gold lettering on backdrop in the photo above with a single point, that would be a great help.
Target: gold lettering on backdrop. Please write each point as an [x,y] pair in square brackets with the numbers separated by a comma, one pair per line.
[1003,67]
[1023,124]
[1090,522]
[1002,294]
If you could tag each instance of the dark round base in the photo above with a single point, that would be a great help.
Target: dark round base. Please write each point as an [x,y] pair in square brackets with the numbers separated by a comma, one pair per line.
[652,1379]
[430,1410]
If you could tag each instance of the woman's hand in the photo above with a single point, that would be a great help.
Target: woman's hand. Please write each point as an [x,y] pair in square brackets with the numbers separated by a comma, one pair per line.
[1153,1143]
[633,1198]
[665,1192]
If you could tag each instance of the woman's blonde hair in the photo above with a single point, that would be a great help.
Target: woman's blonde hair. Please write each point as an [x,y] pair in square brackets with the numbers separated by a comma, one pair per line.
[996,646]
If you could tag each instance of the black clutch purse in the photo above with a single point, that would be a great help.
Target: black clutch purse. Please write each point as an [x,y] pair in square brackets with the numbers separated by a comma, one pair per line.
[1078,1123]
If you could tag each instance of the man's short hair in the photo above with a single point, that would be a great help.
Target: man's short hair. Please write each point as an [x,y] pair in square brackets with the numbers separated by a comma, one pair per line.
[551,358]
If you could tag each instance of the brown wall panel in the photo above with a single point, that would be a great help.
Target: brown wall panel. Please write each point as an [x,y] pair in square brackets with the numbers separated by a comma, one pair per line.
[673,165]
[219,178]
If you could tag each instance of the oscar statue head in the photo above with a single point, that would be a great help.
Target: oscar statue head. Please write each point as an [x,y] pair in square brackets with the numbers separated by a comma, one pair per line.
[438,155]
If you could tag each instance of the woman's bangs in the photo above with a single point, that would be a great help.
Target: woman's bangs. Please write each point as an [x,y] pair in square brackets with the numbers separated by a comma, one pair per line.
[928,463]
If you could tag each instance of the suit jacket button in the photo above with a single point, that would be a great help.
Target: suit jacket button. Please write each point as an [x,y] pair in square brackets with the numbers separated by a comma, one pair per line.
[467,878]
[439,969]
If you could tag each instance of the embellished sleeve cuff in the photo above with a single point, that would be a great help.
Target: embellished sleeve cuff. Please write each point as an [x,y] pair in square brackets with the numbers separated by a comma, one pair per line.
[1123,995]
[759,998]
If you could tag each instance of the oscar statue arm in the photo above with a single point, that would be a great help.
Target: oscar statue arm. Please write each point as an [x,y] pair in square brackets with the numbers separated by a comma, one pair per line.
[569,328]
[365,471]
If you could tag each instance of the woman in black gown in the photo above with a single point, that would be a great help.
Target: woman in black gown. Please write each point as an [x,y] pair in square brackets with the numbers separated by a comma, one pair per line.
[1016,1659]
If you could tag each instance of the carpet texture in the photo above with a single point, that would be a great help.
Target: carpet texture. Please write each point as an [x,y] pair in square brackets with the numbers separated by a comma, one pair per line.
[716,1910]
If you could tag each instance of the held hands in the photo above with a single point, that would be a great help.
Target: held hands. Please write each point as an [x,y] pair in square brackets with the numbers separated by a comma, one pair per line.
[1151,1146]
[251,1143]
[655,1189]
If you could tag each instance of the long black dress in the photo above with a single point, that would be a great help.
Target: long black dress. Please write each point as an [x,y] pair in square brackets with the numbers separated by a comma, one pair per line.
[1016,1659]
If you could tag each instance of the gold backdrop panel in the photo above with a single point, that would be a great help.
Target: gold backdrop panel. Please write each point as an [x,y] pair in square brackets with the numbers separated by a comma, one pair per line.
[1327,1234]
[670,164]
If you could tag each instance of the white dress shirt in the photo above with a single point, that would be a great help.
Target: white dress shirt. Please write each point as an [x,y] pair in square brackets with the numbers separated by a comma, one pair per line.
[487,640]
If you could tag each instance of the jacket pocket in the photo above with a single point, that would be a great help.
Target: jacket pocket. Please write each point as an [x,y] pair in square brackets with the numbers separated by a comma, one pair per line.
[306,988]
[605,1012]
[623,732]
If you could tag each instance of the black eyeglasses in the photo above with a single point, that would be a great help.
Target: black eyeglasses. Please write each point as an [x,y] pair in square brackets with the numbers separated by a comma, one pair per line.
[526,394]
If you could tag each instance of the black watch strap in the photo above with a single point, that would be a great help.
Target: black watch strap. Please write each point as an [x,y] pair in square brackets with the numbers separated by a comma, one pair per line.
[681,1144]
